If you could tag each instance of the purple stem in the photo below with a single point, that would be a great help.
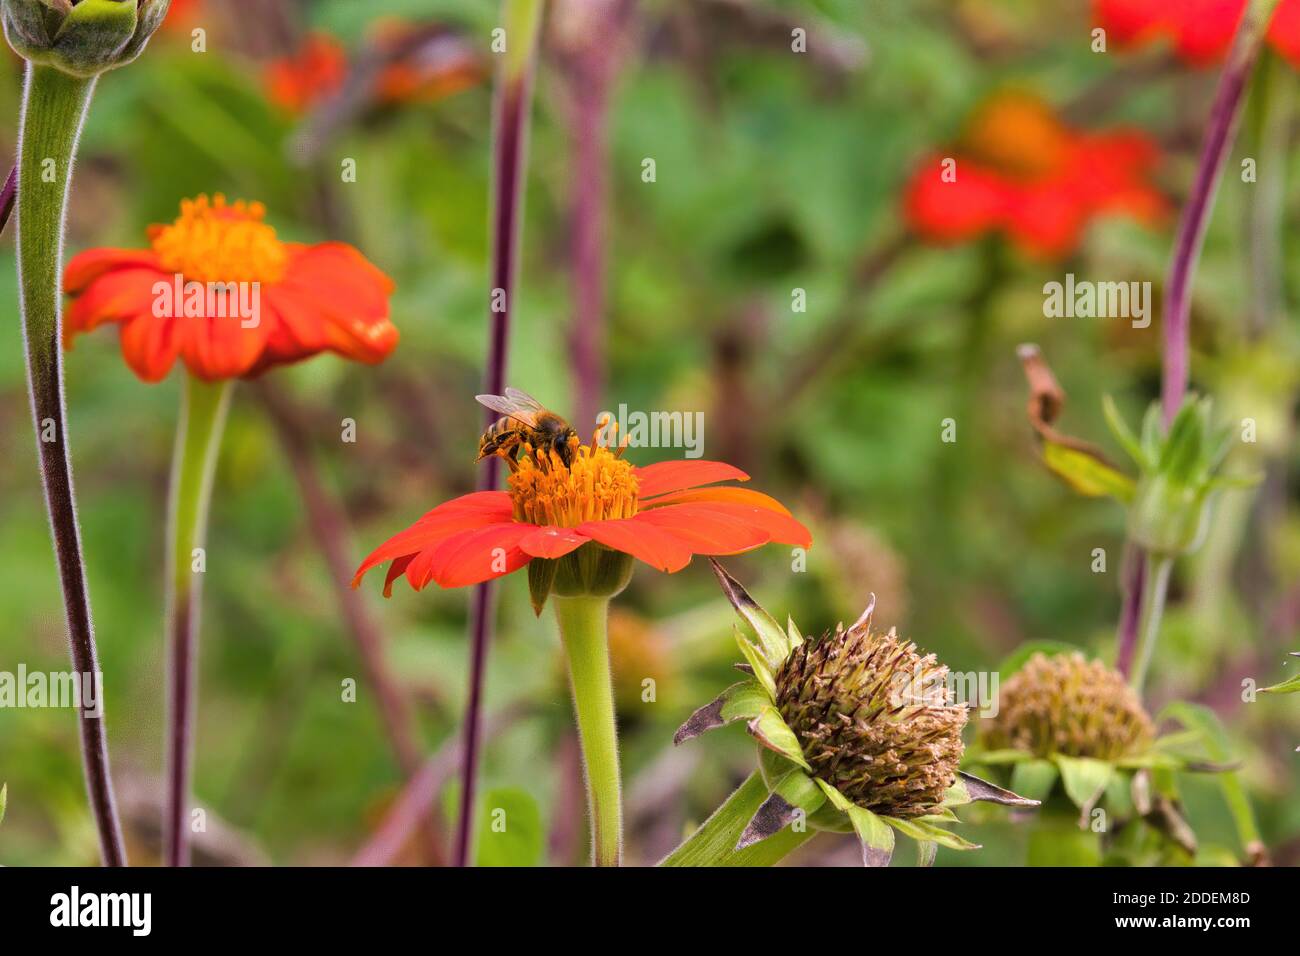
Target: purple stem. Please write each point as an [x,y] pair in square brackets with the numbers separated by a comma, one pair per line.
[510,139]
[7,197]
[1219,135]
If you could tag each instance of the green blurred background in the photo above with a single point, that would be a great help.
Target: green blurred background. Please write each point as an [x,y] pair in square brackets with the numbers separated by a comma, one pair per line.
[774,172]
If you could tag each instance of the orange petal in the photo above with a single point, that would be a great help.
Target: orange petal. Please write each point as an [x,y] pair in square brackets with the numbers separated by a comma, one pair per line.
[479,555]
[552,542]
[395,571]
[149,346]
[217,348]
[657,548]
[88,266]
[665,476]
[707,533]
[117,296]
[739,496]
[782,528]
[430,531]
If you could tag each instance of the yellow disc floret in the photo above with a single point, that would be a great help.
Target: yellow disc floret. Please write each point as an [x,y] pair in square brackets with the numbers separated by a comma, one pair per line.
[598,486]
[212,241]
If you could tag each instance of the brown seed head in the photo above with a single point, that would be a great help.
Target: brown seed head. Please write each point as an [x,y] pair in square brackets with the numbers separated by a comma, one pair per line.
[874,718]
[1065,704]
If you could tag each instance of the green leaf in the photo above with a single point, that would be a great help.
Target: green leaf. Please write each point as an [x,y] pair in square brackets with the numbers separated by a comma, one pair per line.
[510,831]
[1086,473]
[1034,778]
[740,701]
[931,833]
[776,645]
[754,657]
[968,788]
[1123,434]
[773,732]
[1084,777]
[876,837]
[1289,686]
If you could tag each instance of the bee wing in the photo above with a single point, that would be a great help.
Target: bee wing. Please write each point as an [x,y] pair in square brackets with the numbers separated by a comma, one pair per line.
[511,408]
[524,400]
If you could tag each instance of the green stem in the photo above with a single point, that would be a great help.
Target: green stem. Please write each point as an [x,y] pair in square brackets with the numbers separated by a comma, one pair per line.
[1154,589]
[583,622]
[54,109]
[714,843]
[198,440]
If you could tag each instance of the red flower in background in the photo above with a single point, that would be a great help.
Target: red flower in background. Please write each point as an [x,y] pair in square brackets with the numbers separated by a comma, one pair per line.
[182,15]
[172,299]
[1201,30]
[1020,170]
[417,63]
[658,514]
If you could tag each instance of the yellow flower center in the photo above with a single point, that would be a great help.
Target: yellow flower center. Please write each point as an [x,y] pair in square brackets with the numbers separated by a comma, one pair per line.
[598,486]
[1018,135]
[214,242]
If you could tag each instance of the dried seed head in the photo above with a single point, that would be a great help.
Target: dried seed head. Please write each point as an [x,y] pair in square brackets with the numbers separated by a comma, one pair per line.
[1068,705]
[874,718]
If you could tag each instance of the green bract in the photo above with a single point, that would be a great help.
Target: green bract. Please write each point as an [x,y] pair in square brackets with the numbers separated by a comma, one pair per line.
[81,37]
[859,734]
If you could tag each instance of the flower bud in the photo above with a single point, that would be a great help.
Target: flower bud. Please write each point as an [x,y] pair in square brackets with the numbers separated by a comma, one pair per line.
[1168,517]
[81,37]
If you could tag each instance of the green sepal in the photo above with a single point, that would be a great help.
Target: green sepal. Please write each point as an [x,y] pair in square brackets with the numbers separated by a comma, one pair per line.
[1123,434]
[968,788]
[793,632]
[541,578]
[758,663]
[772,732]
[1034,778]
[874,834]
[1289,686]
[740,701]
[1084,778]
[930,833]
[937,816]
[926,851]
[775,643]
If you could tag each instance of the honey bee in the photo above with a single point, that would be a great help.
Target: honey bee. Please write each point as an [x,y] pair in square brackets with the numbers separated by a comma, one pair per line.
[524,419]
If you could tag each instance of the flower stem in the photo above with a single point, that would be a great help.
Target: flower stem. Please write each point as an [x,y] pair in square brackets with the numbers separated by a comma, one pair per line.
[198,440]
[714,843]
[54,109]
[1219,134]
[1154,589]
[523,19]
[583,623]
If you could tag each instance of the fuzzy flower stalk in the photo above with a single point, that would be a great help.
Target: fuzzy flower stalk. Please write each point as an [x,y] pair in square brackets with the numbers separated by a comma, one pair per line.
[577,516]
[859,733]
[218,292]
[67,44]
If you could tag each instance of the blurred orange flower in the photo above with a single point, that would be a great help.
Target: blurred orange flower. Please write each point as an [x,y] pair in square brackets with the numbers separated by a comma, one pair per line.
[316,72]
[218,289]
[1200,30]
[1019,169]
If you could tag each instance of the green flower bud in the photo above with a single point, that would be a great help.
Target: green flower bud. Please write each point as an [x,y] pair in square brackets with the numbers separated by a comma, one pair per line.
[81,37]
[1065,704]
[1167,517]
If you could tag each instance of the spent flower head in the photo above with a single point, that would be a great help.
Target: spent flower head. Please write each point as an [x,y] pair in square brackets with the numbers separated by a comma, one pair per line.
[81,37]
[859,731]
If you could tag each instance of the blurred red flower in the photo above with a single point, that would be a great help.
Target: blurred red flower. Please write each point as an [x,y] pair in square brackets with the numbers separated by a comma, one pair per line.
[658,514]
[314,73]
[1019,169]
[189,295]
[1201,30]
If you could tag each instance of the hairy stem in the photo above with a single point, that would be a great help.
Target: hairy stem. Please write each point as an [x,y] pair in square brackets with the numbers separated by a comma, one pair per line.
[54,109]
[513,95]
[714,843]
[1154,589]
[583,628]
[198,441]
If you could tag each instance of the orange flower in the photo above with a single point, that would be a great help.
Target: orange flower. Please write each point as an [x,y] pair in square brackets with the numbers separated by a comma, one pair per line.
[1020,170]
[218,289]
[316,72]
[659,514]
[1201,30]
[181,15]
